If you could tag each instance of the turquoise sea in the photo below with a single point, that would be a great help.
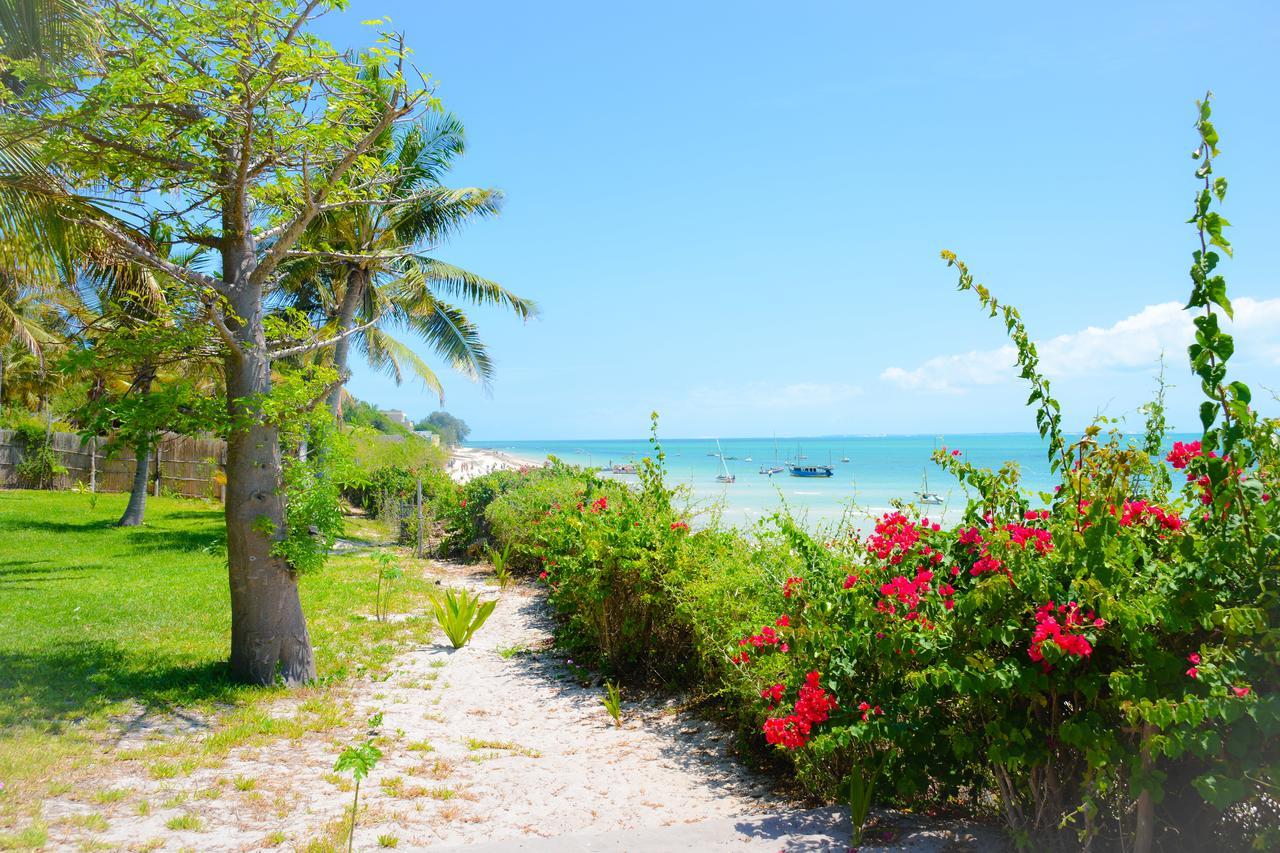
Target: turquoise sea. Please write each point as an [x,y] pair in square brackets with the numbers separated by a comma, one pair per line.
[880,468]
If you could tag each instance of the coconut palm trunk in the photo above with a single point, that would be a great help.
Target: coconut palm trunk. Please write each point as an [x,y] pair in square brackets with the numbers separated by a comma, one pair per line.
[357,282]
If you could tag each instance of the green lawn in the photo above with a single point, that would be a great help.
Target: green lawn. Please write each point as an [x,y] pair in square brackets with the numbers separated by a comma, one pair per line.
[97,620]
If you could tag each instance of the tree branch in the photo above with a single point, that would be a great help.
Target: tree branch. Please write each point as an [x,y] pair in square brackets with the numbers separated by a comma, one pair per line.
[315,345]
[287,234]
[148,258]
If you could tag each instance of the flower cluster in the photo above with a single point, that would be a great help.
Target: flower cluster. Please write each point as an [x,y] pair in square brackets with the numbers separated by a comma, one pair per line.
[1181,456]
[600,504]
[789,586]
[867,710]
[1140,512]
[680,525]
[894,537]
[768,636]
[905,592]
[1041,540]
[1058,625]
[813,705]
[1194,660]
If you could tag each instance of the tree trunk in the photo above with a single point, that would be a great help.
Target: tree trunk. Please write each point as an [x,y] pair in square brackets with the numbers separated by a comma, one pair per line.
[268,631]
[357,281]
[135,512]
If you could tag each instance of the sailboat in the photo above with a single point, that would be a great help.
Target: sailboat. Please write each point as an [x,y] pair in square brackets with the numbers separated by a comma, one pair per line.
[926,496]
[775,468]
[844,457]
[725,477]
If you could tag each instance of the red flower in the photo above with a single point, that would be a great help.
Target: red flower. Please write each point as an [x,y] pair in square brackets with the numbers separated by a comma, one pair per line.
[783,621]
[1193,672]
[464,503]
[1193,658]
[1182,453]
[850,581]
[600,504]
[813,706]
[679,525]
[542,576]
[955,453]
[1240,692]
[789,586]
[1058,625]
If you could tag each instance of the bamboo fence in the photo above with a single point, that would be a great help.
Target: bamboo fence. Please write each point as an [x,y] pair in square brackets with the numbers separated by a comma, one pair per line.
[179,464]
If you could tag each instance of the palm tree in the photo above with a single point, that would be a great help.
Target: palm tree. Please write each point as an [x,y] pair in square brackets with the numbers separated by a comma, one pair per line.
[363,272]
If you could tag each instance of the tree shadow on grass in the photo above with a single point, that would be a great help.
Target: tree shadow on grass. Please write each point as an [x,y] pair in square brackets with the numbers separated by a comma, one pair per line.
[71,681]
[19,575]
[73,527]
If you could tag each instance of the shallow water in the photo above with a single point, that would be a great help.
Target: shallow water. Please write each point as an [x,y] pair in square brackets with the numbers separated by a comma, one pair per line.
[880,469]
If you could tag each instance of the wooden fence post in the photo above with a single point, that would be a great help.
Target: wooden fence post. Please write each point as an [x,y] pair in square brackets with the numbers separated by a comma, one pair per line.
[419,550]
[157,491]
[93,464]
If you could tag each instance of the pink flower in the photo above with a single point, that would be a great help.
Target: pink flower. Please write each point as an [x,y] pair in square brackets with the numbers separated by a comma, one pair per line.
[1193,658]
[1193,672]
[1240,692]
[783,621]
[850,581]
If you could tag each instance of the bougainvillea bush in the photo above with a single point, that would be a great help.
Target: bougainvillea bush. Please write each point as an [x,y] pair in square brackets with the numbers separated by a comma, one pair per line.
[1101,659]
[1097,664]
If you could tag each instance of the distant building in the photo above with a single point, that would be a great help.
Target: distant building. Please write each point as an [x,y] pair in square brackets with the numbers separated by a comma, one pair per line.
[433,437]
[399,417]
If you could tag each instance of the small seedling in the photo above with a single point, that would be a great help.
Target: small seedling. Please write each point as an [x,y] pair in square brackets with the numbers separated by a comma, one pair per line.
[387,841]
[501,568]
[460,614]
[612,702]
[359,761]
[388,571]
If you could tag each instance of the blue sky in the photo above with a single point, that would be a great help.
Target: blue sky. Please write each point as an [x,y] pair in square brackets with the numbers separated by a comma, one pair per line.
[732,212]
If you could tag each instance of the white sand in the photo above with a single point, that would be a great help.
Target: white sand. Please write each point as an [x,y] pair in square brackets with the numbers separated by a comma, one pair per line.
[562,767]
[467,463]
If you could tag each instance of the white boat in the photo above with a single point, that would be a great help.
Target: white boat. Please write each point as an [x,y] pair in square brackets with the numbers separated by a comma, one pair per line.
[775,468]
[925,496]
[724,477]
[623,469]
[844,457]
[747,459]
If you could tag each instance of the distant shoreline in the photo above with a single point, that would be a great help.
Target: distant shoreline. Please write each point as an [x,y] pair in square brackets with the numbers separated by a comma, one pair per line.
[467,463]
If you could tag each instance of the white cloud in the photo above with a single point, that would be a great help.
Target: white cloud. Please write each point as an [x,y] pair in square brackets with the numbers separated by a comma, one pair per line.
[1134,343]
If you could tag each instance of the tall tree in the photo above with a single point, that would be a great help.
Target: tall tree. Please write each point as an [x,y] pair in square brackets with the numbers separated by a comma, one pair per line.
[234,123]
[364,271]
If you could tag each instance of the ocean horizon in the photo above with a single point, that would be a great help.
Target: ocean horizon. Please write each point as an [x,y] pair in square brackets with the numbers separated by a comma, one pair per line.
[869,471]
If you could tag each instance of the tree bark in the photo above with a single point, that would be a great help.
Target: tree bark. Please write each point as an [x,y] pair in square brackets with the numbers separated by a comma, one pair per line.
[136,510]
[269,637]
[357,281]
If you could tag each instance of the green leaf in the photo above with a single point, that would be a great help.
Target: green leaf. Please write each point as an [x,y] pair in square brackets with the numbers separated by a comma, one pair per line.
[1208,414]
[1219,791]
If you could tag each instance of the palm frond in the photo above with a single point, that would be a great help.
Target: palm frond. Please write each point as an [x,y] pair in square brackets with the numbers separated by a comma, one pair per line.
[455,339]
[438,213]
[423,279]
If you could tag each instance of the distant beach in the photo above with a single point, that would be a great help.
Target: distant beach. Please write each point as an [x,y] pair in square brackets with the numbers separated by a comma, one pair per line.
[467,463]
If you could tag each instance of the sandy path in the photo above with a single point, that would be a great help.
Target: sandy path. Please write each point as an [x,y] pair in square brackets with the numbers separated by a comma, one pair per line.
[477,747]
[568,769]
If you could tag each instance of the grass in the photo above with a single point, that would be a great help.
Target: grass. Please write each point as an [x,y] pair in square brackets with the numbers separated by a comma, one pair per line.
[477,745]
[99,624]
[186,821]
